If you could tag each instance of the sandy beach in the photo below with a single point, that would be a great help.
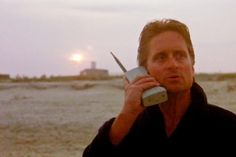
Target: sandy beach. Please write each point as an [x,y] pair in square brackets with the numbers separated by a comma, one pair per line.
[58,119]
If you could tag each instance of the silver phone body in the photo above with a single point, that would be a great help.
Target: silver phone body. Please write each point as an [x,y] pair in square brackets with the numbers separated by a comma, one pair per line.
[152,96]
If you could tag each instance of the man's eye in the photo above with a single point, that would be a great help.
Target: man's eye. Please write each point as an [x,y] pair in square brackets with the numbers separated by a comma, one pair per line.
[180,55]
[160,57]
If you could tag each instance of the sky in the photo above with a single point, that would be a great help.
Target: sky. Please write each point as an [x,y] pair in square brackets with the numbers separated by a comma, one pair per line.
[38,37]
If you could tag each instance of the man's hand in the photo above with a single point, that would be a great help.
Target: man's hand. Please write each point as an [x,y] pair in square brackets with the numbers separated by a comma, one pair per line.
[132,107]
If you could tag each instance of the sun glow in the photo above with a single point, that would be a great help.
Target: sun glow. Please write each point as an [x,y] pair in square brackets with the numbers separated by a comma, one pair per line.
[76,58]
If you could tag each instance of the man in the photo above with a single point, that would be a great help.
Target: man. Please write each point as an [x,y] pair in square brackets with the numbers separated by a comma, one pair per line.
[185,120]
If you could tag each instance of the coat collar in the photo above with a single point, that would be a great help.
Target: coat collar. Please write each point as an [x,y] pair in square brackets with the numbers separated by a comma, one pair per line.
[198,95]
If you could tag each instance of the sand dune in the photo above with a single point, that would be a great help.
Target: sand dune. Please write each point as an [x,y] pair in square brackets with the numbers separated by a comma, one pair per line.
[59,119]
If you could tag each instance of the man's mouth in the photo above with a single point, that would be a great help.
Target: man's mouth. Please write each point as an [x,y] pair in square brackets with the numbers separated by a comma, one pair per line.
[174,77]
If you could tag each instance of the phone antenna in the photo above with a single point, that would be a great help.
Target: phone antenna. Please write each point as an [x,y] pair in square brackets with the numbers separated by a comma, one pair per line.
[119,63]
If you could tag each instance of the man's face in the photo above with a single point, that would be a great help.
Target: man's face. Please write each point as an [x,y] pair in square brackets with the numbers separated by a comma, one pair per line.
[169,62]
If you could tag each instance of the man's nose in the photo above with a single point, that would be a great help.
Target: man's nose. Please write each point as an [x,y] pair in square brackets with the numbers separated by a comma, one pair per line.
[172,62]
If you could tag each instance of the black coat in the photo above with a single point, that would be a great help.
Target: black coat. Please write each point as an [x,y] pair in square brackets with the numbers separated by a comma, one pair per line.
[203,129]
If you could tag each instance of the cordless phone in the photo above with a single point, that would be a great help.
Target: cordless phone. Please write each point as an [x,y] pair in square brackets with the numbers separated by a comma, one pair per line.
[152,96]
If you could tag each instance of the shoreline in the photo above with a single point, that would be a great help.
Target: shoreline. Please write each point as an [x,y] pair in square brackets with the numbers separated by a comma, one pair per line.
[61,118]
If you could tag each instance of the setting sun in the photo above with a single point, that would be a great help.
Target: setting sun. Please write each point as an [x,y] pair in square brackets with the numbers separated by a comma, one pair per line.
[76,58]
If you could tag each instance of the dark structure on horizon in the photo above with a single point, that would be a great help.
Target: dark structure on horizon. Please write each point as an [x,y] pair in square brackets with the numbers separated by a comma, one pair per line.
[94,73]
[4,77]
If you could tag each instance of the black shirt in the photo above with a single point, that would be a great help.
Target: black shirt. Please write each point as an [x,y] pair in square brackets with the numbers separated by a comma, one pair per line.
[203,128]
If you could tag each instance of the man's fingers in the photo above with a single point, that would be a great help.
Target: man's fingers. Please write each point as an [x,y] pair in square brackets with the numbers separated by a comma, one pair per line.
[144,79]
[148,85]
[141,83]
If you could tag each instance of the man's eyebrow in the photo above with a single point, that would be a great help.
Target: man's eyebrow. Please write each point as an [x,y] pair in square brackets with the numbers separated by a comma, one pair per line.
[158,53]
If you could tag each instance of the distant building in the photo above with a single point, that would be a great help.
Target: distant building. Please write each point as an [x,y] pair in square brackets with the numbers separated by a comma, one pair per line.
[4,77]
[94,73]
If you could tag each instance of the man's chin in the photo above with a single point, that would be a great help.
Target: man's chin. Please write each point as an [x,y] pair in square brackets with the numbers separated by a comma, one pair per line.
[175,89]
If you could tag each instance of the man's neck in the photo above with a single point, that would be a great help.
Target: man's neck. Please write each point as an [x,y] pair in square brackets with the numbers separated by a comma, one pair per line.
[174,109]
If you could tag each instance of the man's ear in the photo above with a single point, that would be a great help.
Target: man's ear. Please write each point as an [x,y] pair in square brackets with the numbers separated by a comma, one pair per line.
[193,73]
